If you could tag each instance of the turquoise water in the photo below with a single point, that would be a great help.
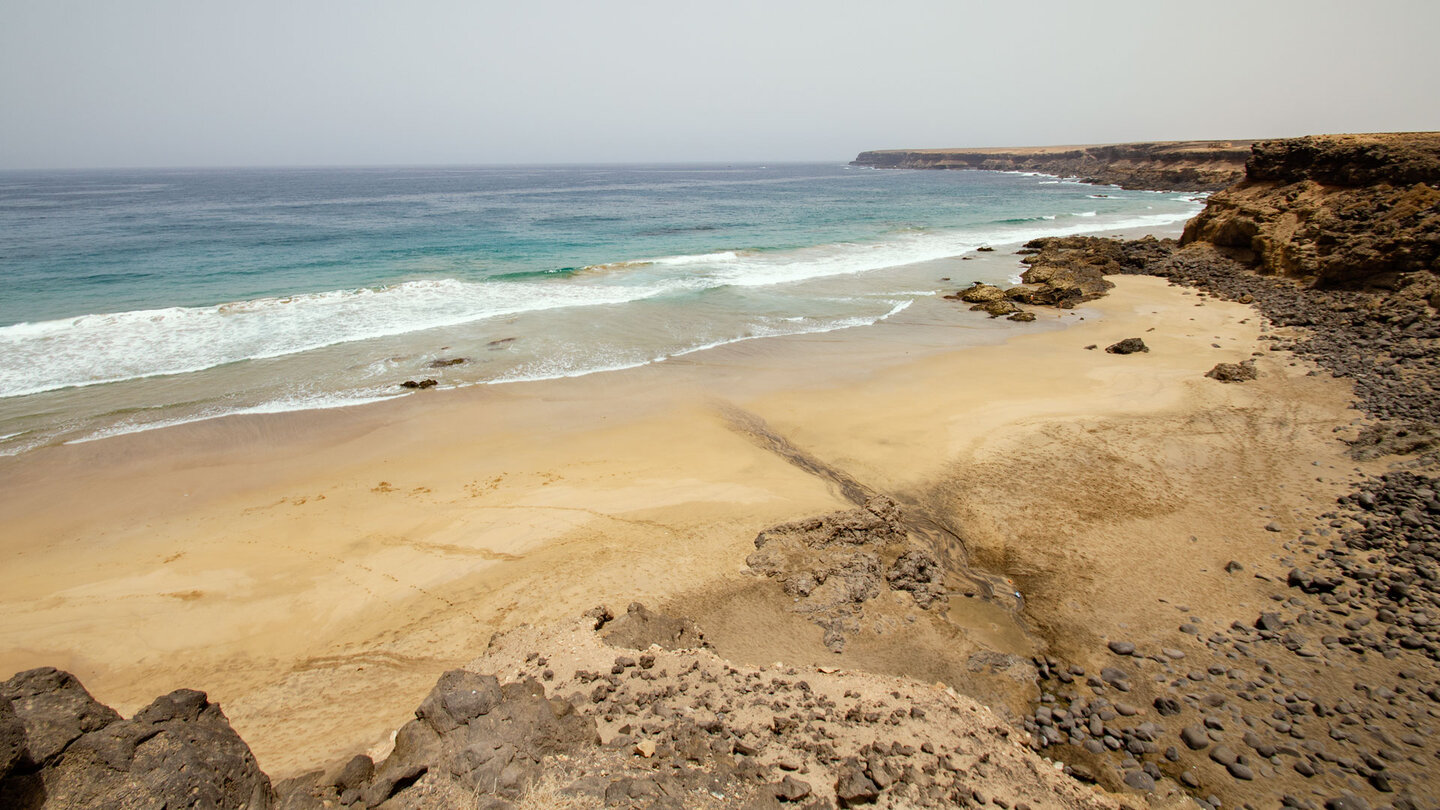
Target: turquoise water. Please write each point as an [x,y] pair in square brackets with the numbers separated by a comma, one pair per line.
[135,299]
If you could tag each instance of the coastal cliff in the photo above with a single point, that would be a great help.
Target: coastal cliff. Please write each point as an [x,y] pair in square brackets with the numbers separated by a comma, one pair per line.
[1164,166]
[1349,211]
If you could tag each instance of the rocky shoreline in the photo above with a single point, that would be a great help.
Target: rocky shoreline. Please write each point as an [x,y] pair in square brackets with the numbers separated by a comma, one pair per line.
[1332,696]
[1162,166]
[1334,691]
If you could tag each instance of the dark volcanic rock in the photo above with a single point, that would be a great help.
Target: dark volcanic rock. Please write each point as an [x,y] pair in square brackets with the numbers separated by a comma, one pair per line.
[1128,346]
[1394,439]
[853,787]
[427,383]
[791,789]
[12,739]
[1348,160]
[177,752]
[55,710]
[1232,372]
[486,736]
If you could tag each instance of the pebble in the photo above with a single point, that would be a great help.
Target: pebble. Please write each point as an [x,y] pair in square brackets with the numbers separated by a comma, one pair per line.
[1194,737]
[1140,780]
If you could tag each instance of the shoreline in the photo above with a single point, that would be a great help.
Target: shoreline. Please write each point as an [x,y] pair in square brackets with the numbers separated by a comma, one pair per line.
[308,514]
[942,266]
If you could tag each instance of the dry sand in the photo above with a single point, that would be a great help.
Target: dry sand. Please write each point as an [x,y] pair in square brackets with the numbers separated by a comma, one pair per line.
[316,572]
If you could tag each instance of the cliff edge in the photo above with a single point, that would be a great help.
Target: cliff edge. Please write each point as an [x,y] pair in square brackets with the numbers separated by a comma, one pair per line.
[1163,166]
[1339,211]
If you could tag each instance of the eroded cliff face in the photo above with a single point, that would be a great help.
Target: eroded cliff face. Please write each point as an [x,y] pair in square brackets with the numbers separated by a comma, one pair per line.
[1164,166]
[1339,211]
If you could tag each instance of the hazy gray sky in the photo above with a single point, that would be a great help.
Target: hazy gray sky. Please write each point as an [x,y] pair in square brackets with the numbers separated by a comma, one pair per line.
[257,82]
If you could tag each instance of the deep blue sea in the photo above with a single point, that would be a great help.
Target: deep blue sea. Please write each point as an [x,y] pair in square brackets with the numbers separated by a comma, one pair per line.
[136,299]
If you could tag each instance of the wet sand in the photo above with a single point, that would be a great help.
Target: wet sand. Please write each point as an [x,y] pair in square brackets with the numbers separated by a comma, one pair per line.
[315,572]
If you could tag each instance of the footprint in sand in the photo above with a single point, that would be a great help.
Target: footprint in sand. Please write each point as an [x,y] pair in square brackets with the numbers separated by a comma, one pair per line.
[478,488]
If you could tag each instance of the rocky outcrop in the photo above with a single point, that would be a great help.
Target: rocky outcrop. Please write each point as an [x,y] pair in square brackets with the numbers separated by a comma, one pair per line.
[1063,272]
[60,748]
[1132,345]
[831,565]
[1233,372]
[1337,211]
[1163,166]
[641,627]
[579,718]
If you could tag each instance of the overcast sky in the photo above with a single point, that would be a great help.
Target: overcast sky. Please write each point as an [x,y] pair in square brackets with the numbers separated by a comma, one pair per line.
[96,83]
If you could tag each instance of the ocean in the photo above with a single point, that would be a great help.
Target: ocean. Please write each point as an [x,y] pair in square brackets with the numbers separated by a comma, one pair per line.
[131,300]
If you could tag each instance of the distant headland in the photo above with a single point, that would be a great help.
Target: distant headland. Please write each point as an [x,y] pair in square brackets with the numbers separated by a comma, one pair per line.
[1161,165]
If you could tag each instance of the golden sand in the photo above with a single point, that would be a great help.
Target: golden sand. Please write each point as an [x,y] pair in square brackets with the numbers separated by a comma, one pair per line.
[315,572]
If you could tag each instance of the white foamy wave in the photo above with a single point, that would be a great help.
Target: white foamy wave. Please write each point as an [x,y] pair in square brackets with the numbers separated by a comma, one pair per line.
[562,367]
[582,363]
[762,331]
[283,405]
[766,268]
[702,258]
[93,349]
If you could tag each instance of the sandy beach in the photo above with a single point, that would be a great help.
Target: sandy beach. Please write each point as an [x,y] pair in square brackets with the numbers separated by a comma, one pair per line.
[315,572]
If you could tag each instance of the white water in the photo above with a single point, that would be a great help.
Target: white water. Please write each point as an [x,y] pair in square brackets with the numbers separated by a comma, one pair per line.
[105,348]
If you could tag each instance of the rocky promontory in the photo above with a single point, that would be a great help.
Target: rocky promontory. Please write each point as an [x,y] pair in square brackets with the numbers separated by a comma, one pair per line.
[1350,211]
[1164,166]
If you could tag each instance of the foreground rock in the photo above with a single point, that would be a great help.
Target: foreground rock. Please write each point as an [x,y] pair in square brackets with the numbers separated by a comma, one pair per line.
[553,717]
[63,749]
[683,728]
[1233,372]
[1132,345]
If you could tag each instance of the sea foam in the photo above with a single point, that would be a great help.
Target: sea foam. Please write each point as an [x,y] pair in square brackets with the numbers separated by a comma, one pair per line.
[107,348]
